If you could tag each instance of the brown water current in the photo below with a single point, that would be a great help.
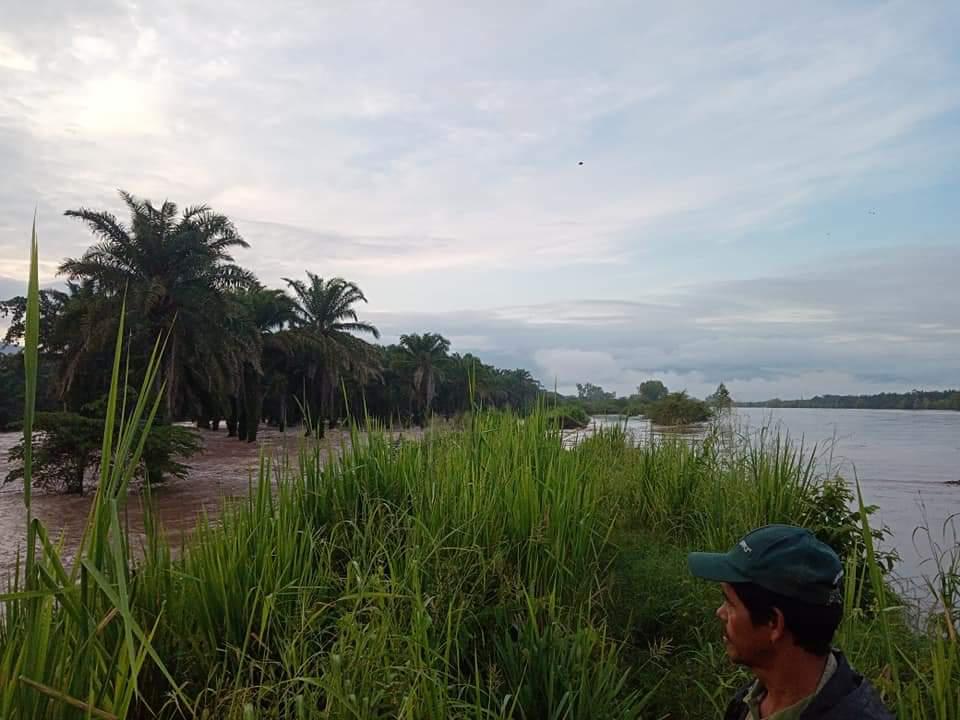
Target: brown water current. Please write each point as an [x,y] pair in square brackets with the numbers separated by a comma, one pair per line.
[223,470]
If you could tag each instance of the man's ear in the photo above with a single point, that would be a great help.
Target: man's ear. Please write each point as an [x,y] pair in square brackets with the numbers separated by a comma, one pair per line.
[778,626]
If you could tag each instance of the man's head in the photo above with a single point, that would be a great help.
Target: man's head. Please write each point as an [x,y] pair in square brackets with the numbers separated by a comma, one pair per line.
[781,591]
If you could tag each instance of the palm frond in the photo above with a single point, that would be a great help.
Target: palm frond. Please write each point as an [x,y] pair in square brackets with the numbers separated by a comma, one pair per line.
[361,327]
[102,224]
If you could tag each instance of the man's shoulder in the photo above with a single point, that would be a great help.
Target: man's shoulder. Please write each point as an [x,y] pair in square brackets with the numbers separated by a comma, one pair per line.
[847,695]
[863,702]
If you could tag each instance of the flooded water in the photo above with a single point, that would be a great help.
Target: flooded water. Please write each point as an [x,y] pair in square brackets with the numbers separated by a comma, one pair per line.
[904,460]
[907,463]
[223,470]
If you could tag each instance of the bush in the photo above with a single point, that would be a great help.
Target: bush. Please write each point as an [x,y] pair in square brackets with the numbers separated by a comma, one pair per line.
[678,409]
[166,445]
[830,518]
[570,417]
[68,445]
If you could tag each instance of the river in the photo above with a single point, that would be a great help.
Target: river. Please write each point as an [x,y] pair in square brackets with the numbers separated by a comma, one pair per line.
[903,459]
[221,471]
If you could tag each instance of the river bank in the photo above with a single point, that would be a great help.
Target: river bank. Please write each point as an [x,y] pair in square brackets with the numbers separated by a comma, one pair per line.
[904,461]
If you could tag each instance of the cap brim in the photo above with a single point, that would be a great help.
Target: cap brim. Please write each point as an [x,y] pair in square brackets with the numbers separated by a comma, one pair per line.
[714,566]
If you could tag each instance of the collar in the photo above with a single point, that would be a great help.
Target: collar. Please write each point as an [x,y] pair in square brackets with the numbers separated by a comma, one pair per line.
[757,692]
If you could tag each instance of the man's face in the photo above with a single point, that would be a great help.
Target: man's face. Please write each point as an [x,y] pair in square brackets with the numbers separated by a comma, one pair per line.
[746,643]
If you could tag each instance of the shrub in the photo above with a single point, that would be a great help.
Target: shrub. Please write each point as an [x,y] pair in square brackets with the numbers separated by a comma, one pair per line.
[570,417]
[678,409]
[830,517]
[68,448]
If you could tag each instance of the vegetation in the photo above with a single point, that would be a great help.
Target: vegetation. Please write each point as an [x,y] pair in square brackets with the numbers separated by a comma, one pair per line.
[238,353]
[67,451]
[721,399]
[425,354]
[568,417]
[175,275]
[593,393]
[915,400]
[325,327]
[677,409]
[487,573]
[650,391]
[653,400]
[12,388]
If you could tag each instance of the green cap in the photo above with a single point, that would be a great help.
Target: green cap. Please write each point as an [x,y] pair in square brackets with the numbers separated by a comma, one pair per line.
[783,559]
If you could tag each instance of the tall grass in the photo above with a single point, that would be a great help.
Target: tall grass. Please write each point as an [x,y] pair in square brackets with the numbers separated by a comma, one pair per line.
[920,674]
[709,493]
[70,645]
[458,576]
[482,573]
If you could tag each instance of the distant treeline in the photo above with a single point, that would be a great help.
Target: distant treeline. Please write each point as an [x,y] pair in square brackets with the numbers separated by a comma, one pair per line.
[915,400]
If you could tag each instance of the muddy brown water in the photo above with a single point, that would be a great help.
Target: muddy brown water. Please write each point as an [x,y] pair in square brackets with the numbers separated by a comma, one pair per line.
[223,470]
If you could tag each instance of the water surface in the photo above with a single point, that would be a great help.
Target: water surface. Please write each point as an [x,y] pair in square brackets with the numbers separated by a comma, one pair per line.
[223,470]
[905,461]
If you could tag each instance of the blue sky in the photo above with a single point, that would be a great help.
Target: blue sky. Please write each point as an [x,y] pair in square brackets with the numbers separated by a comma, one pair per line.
[769,194]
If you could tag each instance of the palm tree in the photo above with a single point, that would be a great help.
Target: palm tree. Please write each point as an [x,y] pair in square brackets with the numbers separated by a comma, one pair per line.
[425,353]
[175,273]
[269,314]
[520,387]
[82,335]
[326,324]
[466,380]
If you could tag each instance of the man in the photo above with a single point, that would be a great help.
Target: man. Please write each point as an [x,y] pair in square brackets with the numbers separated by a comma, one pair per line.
[782,604]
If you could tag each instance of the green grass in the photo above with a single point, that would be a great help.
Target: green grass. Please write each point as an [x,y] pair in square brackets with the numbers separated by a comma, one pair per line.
[480,573]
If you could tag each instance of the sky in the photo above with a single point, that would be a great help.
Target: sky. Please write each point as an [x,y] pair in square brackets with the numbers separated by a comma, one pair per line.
[765,194]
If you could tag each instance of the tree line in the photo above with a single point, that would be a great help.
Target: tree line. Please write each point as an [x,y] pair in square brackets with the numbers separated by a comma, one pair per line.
[235,352]
[914,400]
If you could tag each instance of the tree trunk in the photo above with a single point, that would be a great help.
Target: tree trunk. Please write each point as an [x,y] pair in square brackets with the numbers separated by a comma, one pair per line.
[75,480]
[429,391]
[241,416]
[332,389]
[232,418]
[321,405]
[253,402]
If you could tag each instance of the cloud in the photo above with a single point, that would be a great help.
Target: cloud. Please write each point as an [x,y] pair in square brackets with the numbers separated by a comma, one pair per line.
[12,59]
[432,153]
[836,330]
[10,287]
[375,255]
[468,124]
